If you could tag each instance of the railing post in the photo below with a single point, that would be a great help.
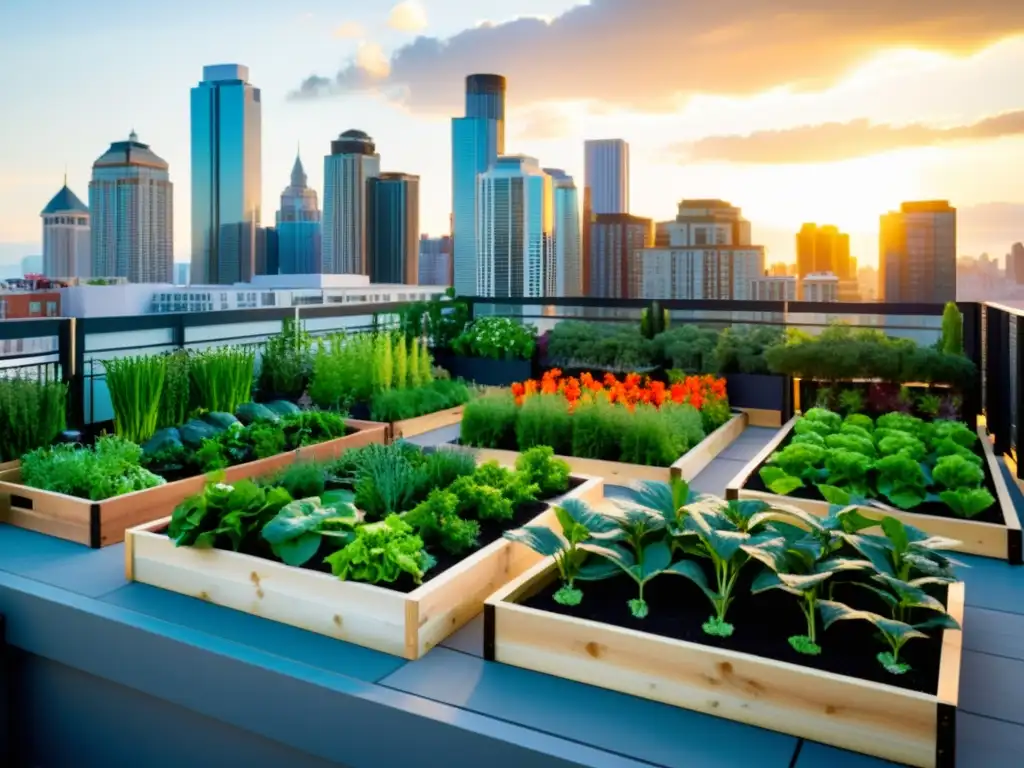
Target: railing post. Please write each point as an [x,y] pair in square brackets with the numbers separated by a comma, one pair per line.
[971,311]
[70,357]
[1019,372]
[997,378]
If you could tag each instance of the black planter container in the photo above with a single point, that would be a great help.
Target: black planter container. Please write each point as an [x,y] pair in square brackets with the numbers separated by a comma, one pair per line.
[764,391]
[488,372]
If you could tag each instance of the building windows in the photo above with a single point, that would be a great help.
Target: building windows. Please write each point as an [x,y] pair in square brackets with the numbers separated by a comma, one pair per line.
[51,309]
[35,308]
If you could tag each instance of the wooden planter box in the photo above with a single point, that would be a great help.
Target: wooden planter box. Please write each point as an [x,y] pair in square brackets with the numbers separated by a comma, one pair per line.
[7,465]
[763,397]
[687,466]
[881,720]
[1002,542]
[426,423]
[403,624]
[101,523]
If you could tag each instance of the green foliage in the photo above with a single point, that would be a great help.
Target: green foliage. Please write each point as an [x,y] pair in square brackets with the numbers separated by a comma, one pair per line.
[539,466]
[574,344]
[112,467]
[32,415]
[901,459]
[176,393]
[440,320]
[741,348]
[497,338]
[297,531]
[437,395]
[687,348]
[843,353]
[385,481]
[286,362]
[135,384]
[382,552]
[544,420]
[952,341]
[653,320]
[489,421]
[222,377]
[714,412]
[437,520]
[225,515]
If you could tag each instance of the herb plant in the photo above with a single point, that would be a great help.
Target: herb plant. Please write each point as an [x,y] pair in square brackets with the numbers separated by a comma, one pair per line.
[498,338]
[110,468]
[32,415]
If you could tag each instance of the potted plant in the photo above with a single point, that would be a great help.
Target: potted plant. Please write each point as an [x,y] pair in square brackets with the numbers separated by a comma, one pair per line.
[494,351]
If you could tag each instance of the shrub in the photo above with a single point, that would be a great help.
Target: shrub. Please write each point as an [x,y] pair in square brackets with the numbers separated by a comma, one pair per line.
[687,348]
[286,362]
[490,421]
[32,414]
[597,430]
[741,349]
[601,346]
[545,420]
[498,338]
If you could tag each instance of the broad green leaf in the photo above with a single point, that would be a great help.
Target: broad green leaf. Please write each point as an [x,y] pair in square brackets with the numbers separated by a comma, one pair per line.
[836,564]
[906,498]
[785,485]
[744,509]
[831,612]
[770,474]
[834,495]
[541,540]
[813,522]
[896,532]
[657,557]
[768,548]
[594,521]
[889,598]
[664,499]
[852,521]
[803,582]
[723,543]
[691,570]
[765,580]
[297,551]
[909,595]
[294,520]
[938,621]
[340,500]
[620,556]
[597,569]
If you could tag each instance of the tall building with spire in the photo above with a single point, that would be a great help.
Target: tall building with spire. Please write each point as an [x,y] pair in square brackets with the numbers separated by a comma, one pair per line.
[298,226]
[347,172]
[131,203]
[65,235]
[477,141]
[227,181]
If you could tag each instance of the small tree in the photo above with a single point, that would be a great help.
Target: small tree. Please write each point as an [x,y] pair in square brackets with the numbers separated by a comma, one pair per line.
[952,330]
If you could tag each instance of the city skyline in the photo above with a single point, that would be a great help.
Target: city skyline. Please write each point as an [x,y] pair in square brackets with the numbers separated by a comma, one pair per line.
[931,126]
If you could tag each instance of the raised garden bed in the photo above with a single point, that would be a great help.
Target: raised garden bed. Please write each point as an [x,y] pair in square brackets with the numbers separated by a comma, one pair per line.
[687,466]
[907,726]
[398,619]
[996,533]
[762,396]
[101,523]
[489,372]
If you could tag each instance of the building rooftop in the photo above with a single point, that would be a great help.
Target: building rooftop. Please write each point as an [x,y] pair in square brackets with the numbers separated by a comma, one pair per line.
[130,152]
[63,202]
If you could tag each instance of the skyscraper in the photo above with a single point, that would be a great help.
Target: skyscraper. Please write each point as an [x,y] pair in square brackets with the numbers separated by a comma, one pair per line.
[613,238]
[66,236]
[568,255]
[1015,263]
[347,172]
[606,175]
[226,175]
[516,228]
[917,253]
[477,141]
[435,260]
[131,202]
[823,249]
[298,226]
[394,228]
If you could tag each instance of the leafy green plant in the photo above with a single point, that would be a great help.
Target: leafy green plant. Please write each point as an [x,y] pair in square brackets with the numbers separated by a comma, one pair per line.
[687,349]
[544,420]
[581,532]
[382,552]
[223,377]
[136,384]
[952,341]
[112,467]
[653,320]
[740,349]
[489,421]
[851,401]
[286,362]
[176,393]
[230,514]
[32,415]
[297,531]
[437,395]
[601,346]
[540,467]
[437,519]
[385,481]
[634,551]
[497,338]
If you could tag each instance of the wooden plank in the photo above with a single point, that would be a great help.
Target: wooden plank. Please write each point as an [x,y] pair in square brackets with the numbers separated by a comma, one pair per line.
[403,624]
[427,422]
[880,720]
[10,465]
[693,462]
[732,489]
[760,417]
[952,648]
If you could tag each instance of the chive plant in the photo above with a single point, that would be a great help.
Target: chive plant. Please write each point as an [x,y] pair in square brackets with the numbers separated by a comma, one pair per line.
[136,384]
[32,414]
[223,377]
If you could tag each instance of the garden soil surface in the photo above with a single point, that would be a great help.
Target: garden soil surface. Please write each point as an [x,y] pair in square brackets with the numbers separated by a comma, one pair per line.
[993,514]
[762,623]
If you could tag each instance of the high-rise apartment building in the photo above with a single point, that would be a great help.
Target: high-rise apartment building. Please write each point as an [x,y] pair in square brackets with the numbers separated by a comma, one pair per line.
[773,288]
[227,181]
[824,249]
[66,240]
[568,247]
[435,260]
[696,272]
[707,222]
[820,287]
[516,230]
[268,255]
[477,141]
[614,237]
[606,175]
[298,226]
[131,205]
[1015,263]
[353,162]
[917,253]
[394,229]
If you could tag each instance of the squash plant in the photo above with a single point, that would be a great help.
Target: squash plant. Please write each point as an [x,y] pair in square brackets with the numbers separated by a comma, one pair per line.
[899,459]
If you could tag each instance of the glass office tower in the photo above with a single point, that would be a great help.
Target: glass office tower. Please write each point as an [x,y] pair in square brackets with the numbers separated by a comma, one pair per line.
[394,202]
[477,140]
[226,175]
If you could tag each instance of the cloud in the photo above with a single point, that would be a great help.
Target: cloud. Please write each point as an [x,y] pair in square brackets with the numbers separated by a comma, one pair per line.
[408,16]
[350,30]
[370,59]
[829,142]
[541,123]
[648,54]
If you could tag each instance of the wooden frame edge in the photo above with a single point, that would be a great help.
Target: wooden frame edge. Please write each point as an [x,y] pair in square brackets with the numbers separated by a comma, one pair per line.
[700,456]
[1006,505]
[734,486]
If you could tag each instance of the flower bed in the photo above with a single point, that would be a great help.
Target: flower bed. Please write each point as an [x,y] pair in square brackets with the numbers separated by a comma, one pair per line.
[633,429]
[90,495]
[940,476]
[832,630]
[391,547]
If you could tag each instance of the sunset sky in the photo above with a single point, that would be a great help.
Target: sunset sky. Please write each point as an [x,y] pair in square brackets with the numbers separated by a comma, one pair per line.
[795,110]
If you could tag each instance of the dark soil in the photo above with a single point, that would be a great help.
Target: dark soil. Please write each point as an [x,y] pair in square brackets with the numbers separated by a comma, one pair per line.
[763,624]
[993,514]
